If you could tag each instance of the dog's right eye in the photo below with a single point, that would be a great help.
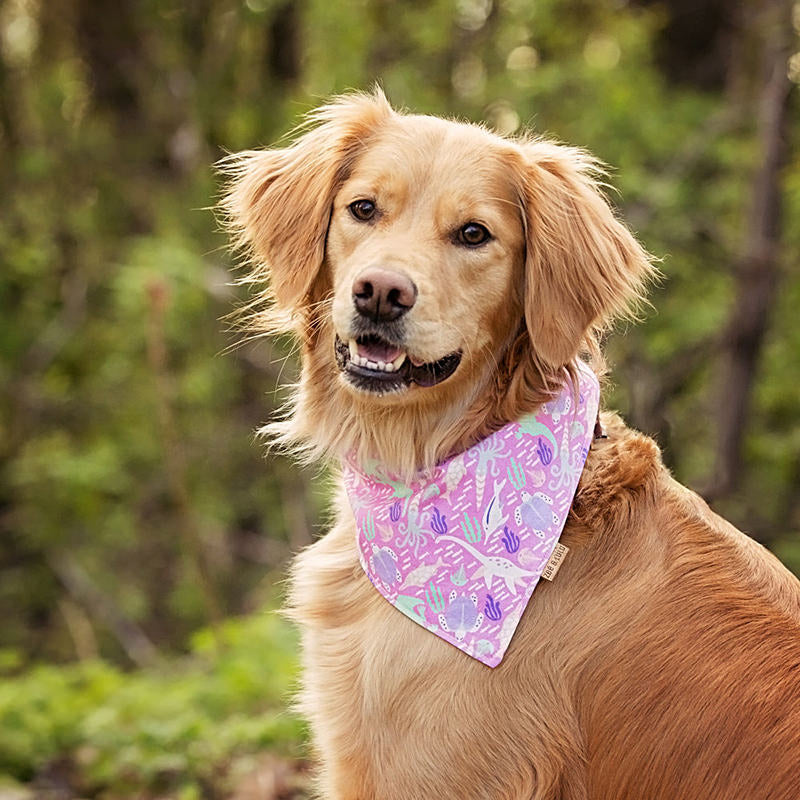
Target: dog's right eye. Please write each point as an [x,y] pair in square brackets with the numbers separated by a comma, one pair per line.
[362,210]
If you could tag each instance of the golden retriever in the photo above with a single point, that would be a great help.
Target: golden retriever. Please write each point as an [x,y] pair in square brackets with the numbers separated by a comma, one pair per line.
[441,281]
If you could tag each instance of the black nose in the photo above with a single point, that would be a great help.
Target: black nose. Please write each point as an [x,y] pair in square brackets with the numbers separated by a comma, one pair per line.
[382,295]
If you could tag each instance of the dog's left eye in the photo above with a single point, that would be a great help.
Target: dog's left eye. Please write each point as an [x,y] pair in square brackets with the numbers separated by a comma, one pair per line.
[362,210]
[473,234]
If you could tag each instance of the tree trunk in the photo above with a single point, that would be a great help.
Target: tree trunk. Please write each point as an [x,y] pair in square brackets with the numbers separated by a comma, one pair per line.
[757,270]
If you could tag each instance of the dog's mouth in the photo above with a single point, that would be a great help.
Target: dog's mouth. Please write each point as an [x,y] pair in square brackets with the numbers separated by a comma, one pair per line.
[374,364]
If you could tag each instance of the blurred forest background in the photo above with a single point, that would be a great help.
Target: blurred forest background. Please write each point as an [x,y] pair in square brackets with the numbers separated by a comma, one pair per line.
[142,532]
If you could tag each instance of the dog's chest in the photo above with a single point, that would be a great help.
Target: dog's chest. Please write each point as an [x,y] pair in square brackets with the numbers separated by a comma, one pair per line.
[395,711]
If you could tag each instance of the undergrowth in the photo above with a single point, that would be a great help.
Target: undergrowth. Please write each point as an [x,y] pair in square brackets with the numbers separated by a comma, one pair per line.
[181,728]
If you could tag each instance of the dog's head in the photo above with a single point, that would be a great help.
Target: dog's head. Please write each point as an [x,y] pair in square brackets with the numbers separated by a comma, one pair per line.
[440,277]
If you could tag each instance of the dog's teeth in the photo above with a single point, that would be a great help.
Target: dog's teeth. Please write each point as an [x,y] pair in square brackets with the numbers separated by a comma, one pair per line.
[379,366]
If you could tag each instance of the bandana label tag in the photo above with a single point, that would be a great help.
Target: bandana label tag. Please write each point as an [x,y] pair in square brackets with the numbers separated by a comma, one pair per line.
[460,550]
[555,562]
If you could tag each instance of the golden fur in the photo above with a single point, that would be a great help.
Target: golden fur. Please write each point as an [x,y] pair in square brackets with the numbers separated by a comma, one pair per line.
[664,661]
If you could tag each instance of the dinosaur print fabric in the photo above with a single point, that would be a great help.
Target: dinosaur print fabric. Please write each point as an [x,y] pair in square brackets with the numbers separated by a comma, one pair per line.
[460,550]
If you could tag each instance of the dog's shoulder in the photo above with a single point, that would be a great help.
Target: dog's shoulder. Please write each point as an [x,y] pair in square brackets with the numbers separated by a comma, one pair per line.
[628,501]
[622,470]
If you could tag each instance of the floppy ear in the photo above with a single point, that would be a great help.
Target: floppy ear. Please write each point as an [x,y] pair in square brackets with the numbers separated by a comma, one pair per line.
[583,266]
[277,203]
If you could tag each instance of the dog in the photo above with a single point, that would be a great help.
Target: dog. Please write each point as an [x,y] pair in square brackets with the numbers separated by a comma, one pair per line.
[443,282]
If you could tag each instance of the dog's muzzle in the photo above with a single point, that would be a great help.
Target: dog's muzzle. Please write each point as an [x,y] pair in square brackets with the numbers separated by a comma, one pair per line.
[374,364]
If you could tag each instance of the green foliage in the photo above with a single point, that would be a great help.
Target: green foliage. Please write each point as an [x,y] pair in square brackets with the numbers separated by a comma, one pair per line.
[125,422]
[177,727]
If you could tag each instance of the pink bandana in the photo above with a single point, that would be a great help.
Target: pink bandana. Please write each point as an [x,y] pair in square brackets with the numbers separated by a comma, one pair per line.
[461,550]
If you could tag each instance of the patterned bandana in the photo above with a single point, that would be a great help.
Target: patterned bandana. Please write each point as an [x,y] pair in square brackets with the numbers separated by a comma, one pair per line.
[460,550]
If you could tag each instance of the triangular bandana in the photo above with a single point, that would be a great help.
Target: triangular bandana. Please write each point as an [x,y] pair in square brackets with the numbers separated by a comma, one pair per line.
[461,550]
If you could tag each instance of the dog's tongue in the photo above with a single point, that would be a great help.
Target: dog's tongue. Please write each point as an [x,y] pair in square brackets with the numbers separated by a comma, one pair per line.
[379,351]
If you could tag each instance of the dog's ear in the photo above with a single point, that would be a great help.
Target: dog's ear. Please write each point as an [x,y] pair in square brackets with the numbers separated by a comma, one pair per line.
[583,267]
[277,202]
